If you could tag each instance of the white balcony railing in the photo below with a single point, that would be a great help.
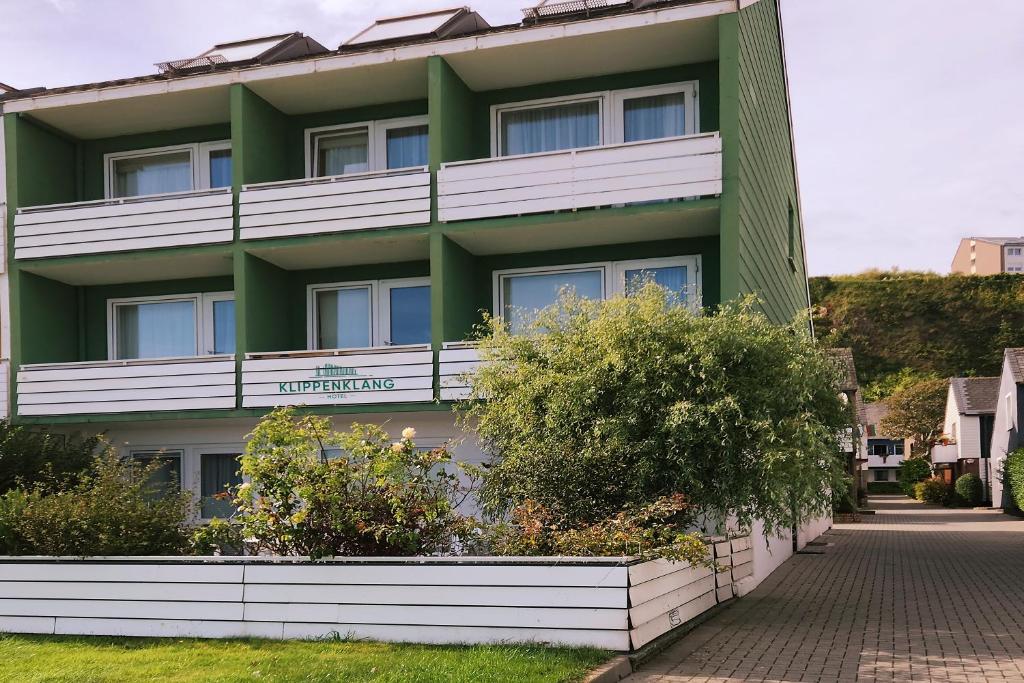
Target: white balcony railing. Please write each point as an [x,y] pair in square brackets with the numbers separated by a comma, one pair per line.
[456,359]
[127,386]
[394,374]
[131,223]
[358,201]
[652,170]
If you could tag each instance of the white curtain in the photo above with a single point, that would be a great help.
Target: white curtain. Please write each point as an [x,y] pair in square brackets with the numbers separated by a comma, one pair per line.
[525,295]
[154,174]
[653,117]
[156,330]
[672,278]
[342,153]
[343,318]
[547,129]
[407,147]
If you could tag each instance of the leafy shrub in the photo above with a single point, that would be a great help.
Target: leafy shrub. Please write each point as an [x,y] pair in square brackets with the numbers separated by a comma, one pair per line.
[885,487]
[604,406]
[912,471]
[377,498]
[651,531]
[29,459]
[933,491]
[970,489]
[1013,476]
[113,509]
[218,537]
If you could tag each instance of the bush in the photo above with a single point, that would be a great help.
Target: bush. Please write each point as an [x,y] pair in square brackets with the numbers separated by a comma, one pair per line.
[933,491]
[912,471]
[29,459]
[885,487]
[606,406]
[1013,476]
[377,498]
[112,510]
[970,489]
[649,532]
[218,537]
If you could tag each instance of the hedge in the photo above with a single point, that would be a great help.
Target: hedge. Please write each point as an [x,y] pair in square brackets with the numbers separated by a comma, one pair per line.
[1014,476]
[884,488]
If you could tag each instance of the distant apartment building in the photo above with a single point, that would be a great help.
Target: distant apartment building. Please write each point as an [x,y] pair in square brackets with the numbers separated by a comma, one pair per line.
[989,256]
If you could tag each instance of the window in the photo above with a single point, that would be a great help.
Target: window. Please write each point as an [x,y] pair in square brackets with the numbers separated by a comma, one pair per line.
[594,119]
[1008,404]
[165,478]
[217,473]
[364,314]
[1013,251]
[370,146]
[168,169]
[171,326]
[791,241]
[520,293]
[897,448]
[881,475]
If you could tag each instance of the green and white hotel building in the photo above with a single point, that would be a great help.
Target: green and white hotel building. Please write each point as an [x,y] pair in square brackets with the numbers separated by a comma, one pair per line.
[278,223]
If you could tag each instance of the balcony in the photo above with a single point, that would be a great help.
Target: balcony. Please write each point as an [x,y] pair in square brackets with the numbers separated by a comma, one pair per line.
[333,204]
[395,374]
[652,170]
[146,222]
[127,386]
[456,359]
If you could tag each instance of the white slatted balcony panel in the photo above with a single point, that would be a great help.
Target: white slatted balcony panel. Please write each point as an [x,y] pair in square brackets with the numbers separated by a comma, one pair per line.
[5,383]
[128,386]
[396,374]
[168,220]
[652,170]
[361,201]
[456,359]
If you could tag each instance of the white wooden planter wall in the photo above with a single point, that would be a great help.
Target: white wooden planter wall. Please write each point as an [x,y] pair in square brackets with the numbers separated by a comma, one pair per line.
[670,168]
[600,602]
[128,386]
[168,220]
[361,201]
[394,375]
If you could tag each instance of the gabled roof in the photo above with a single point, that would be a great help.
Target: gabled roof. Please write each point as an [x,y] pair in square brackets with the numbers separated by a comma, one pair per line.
[871,416]
[844,359]
[975,395]
[1015,359]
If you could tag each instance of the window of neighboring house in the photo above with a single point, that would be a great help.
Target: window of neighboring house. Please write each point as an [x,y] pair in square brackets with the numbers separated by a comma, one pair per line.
[370,146]
[521,293]
[792,235]
[1008,403]
[881,475]
[171,326]
[181,168]
[594,119]
[165,478]
[897,448]
[365,314]
[1013,251]
[218,472]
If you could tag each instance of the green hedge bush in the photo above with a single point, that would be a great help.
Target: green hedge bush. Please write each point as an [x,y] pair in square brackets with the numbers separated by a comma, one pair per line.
[885,488]
[911,472]
[970,489]
[933,491]
[1013,476]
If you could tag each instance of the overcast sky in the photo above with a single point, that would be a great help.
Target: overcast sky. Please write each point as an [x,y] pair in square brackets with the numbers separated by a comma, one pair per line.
[908,112]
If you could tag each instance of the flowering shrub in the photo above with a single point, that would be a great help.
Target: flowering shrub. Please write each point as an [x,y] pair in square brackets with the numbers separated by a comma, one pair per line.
[649,532]
[376,497]
[934,491]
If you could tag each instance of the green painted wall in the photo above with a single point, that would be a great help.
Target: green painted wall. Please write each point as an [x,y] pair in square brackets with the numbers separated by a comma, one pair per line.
[94,304]
[455,299]
[51,333]
[763,169]
[92,151]
[262,307]
[259,139]
[40,164]
[452,108]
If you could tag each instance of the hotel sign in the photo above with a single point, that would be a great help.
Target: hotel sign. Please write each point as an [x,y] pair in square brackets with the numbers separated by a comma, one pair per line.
[334,381]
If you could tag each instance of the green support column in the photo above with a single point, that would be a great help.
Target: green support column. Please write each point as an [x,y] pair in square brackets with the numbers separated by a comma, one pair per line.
[729,125]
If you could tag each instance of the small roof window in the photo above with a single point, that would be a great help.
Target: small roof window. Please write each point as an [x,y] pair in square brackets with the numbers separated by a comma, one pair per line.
[263,50]
[444,23]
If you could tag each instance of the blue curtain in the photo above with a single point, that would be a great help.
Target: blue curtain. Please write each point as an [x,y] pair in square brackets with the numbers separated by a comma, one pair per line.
[343,318]
[218,471]
[525,295]
[223,326]
[342,153]
[547,129]
[672,278]
[656,116]
[153,174]
[407,147]
[410,315]
[156,330]
[220,168]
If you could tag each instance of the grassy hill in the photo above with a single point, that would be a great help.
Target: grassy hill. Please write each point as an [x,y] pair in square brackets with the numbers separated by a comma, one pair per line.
[907,325]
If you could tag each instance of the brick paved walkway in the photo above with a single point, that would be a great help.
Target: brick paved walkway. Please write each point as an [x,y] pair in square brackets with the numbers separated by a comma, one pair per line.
[914,593]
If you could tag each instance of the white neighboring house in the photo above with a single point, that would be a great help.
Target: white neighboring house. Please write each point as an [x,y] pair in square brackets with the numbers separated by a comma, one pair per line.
[970,410]
[1006,424]
[884,454]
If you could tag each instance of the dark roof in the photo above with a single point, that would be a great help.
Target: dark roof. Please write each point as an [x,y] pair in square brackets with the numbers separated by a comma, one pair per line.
[1002,241]
[1015,358]
[844,359]
[629,8]
[976,395]
[4,88]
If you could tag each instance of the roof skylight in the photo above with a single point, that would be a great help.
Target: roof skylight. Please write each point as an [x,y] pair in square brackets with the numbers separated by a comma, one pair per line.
[439,24]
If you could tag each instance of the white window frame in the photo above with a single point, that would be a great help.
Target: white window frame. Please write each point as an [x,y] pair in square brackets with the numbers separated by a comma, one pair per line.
[209,328]
[376,136]
[380,306]
[1013,251]
[610,111]
[384,303]
[202,310]
[613,280]
[189,465]
[162,451]
[199,158]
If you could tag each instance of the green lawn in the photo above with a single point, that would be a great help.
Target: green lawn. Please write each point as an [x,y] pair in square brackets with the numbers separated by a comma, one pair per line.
[87,659]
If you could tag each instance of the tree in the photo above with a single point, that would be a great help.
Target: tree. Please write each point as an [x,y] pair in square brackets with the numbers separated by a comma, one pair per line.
[604,405]
[30,458]
[917,412]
